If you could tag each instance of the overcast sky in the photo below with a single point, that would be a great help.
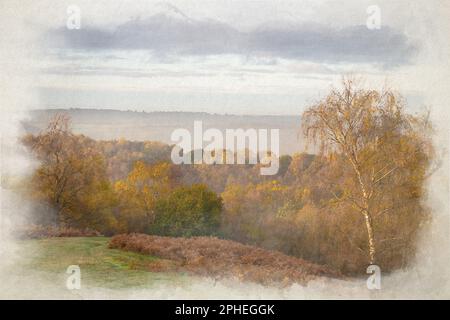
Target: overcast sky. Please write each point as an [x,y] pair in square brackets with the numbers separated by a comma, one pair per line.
[244,57]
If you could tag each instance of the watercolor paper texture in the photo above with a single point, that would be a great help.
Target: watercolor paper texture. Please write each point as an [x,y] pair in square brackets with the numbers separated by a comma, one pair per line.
[224,149]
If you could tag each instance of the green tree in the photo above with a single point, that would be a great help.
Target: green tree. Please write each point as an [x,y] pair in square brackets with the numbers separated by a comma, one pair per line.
[188,211]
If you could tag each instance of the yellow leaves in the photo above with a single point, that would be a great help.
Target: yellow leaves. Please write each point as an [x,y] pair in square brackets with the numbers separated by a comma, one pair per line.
[306,193]
[243,199]
[139,192]
[145,174]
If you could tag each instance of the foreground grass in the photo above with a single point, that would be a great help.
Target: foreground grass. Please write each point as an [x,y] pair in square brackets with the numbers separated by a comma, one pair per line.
[100,266]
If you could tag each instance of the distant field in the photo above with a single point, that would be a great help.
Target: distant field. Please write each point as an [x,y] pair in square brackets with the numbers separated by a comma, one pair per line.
[100,266]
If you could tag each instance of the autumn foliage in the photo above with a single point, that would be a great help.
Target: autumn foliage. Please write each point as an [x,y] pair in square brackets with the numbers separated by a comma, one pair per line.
[357,200]
[71,181]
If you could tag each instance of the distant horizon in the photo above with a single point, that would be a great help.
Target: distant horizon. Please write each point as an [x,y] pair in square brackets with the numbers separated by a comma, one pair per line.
[160,111]
[413,103]
[110,124]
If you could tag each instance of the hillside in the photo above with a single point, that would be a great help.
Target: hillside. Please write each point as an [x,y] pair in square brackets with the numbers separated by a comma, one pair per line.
[213,257]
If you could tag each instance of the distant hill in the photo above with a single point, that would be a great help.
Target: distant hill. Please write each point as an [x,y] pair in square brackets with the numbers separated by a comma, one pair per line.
[105,124]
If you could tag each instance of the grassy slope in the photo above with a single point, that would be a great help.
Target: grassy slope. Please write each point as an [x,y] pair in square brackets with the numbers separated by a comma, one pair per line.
[100,266]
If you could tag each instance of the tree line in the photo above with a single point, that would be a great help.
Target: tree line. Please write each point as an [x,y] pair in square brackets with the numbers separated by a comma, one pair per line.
[357,201]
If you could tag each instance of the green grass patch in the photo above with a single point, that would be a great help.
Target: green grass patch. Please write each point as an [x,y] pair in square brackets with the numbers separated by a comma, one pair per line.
[100,266]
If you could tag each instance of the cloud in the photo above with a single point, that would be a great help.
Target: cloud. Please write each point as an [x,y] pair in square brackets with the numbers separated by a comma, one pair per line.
[172,33]
[356,44]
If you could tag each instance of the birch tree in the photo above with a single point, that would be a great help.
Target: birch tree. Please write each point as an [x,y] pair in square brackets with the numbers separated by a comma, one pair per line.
[379,144]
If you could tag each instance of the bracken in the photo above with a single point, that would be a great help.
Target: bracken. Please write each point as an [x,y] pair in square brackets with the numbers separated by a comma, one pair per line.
[213,257]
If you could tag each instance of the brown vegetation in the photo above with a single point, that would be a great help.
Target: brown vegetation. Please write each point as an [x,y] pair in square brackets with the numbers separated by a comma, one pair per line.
[213,257]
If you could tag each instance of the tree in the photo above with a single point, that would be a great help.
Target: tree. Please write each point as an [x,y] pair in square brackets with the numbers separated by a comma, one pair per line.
[188,211]
[71,177]
[383,150]
[249,209]
[285,162]
[139,192]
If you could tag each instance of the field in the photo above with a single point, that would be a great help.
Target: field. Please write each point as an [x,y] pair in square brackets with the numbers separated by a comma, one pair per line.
[140,261]
[38,270]
[100,266]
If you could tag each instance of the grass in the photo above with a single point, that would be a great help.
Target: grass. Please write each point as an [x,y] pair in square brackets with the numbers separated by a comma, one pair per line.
[100,266]
[143,262]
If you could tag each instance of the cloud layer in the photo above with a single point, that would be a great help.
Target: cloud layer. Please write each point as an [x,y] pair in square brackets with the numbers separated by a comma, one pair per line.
[174,34]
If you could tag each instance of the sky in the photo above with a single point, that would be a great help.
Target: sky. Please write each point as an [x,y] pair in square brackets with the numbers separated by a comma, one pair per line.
[235,57]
